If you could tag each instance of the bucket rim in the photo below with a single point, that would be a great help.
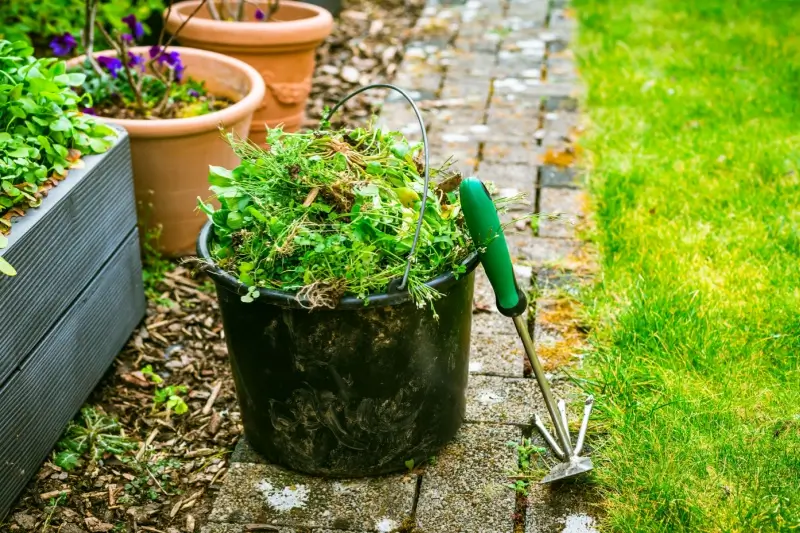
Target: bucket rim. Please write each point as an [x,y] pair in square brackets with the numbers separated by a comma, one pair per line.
[290,300]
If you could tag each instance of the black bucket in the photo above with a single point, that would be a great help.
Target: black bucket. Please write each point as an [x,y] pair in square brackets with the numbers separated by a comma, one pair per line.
[354,391]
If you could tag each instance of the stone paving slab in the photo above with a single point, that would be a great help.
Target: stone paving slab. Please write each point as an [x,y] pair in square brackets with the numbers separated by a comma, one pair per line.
[558,177]
[525,152]
[265,494]
[465,491]
[541,251]
[493,399]
[500,355]
[242,528]
[492,323]
[559,509]
[558,126]
[514,178]
[561,103]
[563,208]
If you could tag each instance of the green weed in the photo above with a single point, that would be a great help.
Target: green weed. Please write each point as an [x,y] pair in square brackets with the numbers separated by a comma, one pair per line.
[530,465]
[329,213]
[93,434]
[168,396]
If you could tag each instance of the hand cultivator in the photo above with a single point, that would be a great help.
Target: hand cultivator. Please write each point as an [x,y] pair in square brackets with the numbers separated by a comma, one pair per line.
[486,231]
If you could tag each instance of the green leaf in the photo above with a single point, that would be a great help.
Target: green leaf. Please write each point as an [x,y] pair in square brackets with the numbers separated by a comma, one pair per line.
[235,220]
[67,460]
[375,168]
[22,151]
[255,213]
[99,146]
[3,241]
[6,268]
[62,124]
[17,112]
[101,130]
[76,79]
[219,176]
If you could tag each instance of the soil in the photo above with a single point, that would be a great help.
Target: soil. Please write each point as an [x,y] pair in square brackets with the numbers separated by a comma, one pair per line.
[176,110]
[168,483]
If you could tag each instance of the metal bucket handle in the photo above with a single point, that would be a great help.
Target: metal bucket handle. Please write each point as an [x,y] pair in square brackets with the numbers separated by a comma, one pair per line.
[410,100]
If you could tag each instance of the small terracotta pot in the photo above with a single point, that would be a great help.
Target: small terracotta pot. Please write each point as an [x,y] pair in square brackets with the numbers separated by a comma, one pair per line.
[171,156]
[282,50]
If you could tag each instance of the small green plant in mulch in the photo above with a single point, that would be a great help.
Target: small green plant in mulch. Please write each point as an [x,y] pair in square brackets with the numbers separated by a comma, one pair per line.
[166,396]
[333,212]
[92,435]
[151,479]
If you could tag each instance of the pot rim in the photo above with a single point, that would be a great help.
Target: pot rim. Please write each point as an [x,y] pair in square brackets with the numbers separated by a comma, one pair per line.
[289,299]
[176,127]
[251,34]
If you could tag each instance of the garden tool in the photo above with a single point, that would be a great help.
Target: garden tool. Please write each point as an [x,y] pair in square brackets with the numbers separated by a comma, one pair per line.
[487,234]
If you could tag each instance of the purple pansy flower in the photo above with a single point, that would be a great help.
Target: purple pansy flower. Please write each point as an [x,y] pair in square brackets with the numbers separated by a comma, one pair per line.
[135,60]
[88,111]
[193,93]
[127,37]
[170,59]
[111,64]
[63,44]
[260,15]
[135,26]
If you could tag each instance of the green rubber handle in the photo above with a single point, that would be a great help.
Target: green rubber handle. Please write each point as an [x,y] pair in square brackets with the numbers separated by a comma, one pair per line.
[487,234]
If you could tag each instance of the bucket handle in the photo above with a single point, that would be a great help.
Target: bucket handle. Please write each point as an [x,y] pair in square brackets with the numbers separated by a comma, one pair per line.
[410,100]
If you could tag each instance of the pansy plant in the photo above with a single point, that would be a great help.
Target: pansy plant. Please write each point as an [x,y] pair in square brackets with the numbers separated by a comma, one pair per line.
[130,83]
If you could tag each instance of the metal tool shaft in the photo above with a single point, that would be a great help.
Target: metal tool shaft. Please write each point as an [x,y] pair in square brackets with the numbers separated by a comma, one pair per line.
[544,385]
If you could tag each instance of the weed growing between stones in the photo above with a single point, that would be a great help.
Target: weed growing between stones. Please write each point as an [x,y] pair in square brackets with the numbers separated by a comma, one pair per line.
[530,465]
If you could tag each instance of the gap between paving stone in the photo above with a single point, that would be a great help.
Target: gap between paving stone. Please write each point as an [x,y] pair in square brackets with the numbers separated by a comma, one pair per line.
[561,211]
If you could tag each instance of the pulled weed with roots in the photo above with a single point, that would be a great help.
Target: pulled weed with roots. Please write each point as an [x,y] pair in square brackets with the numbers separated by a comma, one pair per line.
[333,212]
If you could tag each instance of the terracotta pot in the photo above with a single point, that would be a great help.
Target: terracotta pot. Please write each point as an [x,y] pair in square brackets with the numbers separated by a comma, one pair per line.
[282,50]
[171,157]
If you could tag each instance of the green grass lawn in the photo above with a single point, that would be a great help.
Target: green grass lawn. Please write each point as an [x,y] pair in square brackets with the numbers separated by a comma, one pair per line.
[693,155]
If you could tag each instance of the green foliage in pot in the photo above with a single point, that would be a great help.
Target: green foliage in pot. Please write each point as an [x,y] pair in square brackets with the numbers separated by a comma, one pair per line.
[329,213]
[134,85]
[42,132]
[38,23]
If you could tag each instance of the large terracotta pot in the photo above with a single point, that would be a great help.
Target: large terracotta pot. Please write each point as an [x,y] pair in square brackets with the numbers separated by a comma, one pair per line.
[171,157]
[281,50]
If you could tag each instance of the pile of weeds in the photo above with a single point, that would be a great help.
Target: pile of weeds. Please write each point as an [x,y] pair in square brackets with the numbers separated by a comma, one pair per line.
[333,212]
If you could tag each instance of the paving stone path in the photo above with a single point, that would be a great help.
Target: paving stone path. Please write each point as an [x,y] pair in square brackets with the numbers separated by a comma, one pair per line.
[496,82]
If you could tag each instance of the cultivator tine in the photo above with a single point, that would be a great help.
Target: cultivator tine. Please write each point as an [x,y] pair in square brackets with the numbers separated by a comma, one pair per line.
[562,408]
[587,410]
[548,438]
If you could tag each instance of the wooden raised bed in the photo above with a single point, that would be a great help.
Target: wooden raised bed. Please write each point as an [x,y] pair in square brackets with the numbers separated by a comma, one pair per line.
[76,299]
